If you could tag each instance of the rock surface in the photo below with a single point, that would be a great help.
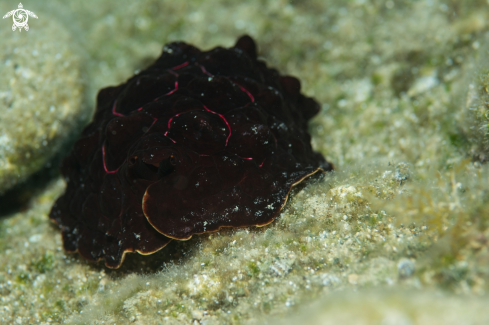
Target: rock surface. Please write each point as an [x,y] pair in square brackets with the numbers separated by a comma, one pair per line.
[40,95]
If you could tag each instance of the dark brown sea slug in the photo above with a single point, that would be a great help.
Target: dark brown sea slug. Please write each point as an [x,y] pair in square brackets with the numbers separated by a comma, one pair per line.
[196,142]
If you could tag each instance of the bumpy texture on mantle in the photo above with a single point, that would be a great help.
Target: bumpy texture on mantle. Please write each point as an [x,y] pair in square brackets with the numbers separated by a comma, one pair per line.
[196,142]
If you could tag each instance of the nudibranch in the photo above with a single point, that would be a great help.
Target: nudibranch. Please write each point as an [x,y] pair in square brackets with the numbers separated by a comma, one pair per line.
[198,141]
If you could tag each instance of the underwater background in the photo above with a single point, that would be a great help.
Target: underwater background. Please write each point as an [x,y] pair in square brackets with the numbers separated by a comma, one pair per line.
[398,234]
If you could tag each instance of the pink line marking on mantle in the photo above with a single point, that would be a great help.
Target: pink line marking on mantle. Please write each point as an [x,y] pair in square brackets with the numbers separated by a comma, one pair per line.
[171,119]
[173,90]
[246,92]
[154,121]
[168,93]
[169,126]
[247,158]
[204,70]
[103,160]
[172,72]
[225,121]
[113,109]
[184,64]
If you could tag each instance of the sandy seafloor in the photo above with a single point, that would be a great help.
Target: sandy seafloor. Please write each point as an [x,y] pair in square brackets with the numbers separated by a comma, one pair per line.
[399,234]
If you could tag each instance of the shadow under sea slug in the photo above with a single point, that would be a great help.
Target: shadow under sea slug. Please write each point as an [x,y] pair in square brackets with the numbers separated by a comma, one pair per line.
[196,142]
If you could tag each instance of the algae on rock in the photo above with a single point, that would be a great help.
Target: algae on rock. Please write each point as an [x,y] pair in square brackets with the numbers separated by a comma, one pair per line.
[40,97]
[476,113]
[403,222]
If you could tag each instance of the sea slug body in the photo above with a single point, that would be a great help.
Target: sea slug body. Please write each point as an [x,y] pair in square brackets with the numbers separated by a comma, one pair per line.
[195,142]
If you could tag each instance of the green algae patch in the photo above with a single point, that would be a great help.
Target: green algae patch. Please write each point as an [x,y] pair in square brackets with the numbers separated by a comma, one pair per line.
[254,270]
[45,263]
